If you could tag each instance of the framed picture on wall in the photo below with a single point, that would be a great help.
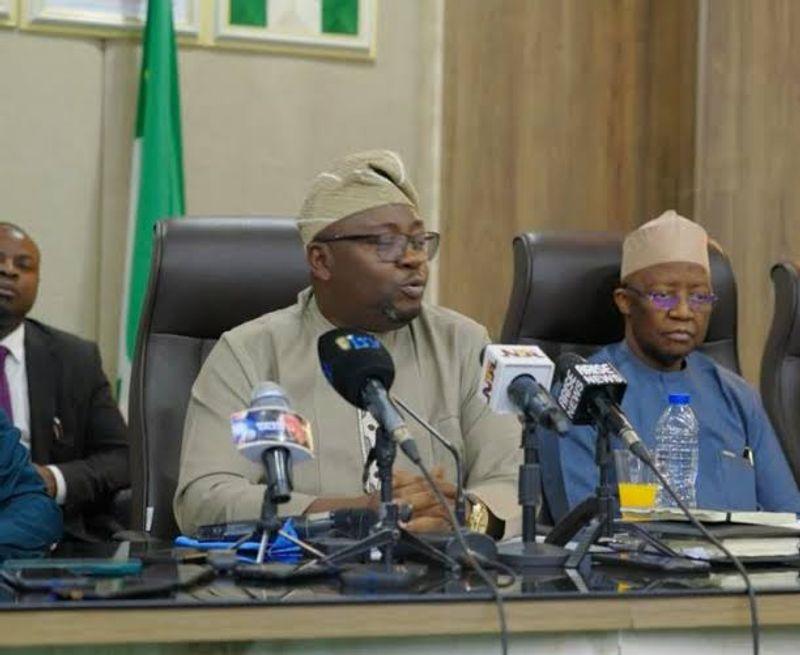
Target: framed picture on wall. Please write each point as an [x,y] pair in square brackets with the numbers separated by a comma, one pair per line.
[105,17]
[334,28]
[8,13]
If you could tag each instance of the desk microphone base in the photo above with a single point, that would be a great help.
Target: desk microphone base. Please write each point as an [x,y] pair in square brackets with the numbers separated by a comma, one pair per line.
[449,544]
[525,555]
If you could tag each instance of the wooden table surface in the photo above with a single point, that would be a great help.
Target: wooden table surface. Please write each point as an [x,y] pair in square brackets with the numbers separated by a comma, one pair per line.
[71,626]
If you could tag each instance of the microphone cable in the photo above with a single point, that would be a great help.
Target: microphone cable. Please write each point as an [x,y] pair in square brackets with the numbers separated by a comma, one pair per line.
[566,361]
[470,557]
[751,593]
[469,554]
[510,573]
[446,444]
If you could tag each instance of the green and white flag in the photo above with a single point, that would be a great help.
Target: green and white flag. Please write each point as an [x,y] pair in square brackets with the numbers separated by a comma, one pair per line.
[298,16]
[156,172]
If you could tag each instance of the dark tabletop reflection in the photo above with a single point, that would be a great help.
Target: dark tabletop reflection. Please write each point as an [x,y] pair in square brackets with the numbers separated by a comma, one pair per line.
[165,567]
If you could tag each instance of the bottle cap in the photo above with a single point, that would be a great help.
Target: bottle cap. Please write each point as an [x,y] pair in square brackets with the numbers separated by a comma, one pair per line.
[679,399]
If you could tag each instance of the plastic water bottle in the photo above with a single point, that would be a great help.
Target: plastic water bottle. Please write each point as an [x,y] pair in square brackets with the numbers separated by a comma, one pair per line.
[677,452]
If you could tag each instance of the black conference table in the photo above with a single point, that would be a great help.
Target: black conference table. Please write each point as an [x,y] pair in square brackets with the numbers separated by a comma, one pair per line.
[602,610]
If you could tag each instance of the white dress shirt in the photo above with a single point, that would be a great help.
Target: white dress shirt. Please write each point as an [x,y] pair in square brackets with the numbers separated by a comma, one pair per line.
[17,376]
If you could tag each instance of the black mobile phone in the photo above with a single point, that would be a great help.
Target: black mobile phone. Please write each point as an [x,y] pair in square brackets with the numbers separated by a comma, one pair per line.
[226,531]
[162,583]
[44,579]
[86,566]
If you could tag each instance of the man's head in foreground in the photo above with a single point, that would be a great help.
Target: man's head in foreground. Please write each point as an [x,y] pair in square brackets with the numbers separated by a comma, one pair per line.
[19,276]
[366,244]
[665,293]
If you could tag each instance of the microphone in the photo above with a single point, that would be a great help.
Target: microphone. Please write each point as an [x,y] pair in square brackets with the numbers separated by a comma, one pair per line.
[590,395]
[515,380]
[354,523]
[268,431]
[351,523]
[361,370]
[461,498]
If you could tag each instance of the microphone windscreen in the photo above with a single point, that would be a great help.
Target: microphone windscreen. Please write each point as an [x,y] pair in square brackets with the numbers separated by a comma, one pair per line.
[565,362]
[349,358]
[269,394]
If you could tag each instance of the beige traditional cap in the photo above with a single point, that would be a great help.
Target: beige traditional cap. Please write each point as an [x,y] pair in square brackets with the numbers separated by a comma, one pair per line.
[353,184]
[668,238]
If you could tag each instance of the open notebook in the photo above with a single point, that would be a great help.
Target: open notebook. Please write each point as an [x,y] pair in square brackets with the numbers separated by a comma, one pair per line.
[777,519]
[755,536]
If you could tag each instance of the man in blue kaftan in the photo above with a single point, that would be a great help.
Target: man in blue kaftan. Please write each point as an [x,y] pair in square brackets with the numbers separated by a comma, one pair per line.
[666,298]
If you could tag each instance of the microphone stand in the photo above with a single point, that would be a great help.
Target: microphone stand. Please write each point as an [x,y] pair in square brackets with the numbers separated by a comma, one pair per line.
[595,516]
[278,489]
[527,553]
[461,499]
[268,524]
[388,534]
[385,454]
[602,523]
[477,541]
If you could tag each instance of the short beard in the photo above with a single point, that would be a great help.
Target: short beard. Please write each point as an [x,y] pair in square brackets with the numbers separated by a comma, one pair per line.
[395,317]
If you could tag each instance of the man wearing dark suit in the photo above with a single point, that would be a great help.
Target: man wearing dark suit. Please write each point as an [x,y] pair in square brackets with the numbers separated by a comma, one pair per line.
[59,398]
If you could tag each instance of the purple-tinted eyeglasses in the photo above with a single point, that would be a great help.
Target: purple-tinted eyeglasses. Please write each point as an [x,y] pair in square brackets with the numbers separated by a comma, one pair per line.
[664,301]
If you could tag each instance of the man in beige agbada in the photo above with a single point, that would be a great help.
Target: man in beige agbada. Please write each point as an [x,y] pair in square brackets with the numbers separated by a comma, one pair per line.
[368,256]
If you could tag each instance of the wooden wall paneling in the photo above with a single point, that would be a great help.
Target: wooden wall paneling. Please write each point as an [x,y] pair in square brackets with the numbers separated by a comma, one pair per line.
[748,149]
[558,115]
[669,124]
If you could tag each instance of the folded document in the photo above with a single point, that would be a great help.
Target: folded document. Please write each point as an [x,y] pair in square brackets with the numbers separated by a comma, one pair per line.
[782,519]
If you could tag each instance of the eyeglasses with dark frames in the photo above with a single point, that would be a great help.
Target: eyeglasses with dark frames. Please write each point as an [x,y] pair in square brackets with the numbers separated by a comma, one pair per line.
[390,247]
[666,301]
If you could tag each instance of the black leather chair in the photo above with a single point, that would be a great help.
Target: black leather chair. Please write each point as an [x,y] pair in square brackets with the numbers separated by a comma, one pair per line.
[207,276]
[780,365]
[561,300]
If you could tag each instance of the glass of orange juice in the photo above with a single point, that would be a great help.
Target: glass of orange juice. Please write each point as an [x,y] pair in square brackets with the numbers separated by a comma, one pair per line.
[637,486]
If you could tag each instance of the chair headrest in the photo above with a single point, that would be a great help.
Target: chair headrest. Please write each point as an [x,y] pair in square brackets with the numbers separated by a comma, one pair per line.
[785,329]
[563,285]
[215,273]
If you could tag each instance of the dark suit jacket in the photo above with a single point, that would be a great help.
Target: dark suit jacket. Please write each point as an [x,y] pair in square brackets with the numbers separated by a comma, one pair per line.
[76,425]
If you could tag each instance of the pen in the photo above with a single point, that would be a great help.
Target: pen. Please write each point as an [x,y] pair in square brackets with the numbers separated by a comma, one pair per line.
[58,429]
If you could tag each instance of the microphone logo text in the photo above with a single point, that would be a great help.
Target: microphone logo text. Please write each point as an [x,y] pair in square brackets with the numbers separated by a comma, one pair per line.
[357,342]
